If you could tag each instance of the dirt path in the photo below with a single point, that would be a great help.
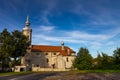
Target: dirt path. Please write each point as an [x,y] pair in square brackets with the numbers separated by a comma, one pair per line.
[65,76]
[84,76]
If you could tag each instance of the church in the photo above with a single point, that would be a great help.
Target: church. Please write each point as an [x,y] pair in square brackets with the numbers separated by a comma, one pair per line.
[45,57]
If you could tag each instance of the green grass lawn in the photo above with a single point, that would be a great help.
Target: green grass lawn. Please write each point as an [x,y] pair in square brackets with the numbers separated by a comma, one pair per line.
[14,73]
[71,72]
[97,71]
[21,73]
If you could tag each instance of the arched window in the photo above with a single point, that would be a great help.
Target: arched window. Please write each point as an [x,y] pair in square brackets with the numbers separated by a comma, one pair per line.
[67,59]
[47,60]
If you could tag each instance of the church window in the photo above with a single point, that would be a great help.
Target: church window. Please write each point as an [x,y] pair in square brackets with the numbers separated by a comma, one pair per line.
[37,54]
[27,37]
[27,32]
[37,65]
[67,59]
[46,53]
[47,60]
[54,53]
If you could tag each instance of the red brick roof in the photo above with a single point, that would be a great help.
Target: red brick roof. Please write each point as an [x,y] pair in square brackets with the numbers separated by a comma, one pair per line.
[46,48]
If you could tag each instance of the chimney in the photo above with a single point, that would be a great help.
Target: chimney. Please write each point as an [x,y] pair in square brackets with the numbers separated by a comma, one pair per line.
[62,45]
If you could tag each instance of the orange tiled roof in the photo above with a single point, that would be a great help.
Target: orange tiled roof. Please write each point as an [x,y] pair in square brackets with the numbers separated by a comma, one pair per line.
[46,48]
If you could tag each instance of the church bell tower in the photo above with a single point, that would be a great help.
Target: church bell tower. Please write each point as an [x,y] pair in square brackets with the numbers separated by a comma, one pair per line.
[27,31]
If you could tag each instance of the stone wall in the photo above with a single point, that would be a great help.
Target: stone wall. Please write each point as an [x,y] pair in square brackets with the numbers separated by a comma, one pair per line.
[48,69]
[50,60]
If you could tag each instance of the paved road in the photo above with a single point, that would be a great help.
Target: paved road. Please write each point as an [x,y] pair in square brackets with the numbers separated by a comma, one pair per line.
[64,76]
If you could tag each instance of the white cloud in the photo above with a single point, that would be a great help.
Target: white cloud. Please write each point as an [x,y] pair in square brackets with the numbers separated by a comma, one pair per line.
[58,39]
[86,36]
[43,30]
[47,28]
[73,37]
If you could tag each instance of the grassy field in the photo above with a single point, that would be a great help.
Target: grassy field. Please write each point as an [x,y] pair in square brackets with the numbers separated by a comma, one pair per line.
[73,72]
[96,71]
[14,73]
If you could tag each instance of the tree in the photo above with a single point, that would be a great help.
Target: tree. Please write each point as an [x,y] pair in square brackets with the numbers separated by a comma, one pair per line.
[19,46]
[83,60]
[5,47]
[117,55]
[104,61]
[13,46]
[97,62]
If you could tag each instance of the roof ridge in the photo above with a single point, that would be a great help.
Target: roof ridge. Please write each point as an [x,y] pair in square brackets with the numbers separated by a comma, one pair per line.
[49,45]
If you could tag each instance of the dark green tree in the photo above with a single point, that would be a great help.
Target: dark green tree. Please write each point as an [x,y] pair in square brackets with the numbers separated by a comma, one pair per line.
[20,44]
[5,48]
[83,60]
[12,47]
[97,62]
[117,55]
[104,61]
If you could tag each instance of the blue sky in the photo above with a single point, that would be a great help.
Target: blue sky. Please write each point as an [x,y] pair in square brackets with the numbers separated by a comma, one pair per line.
[94,24]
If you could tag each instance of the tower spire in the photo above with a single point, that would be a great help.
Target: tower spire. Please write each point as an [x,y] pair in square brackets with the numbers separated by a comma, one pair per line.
[27,31]
[27,23]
